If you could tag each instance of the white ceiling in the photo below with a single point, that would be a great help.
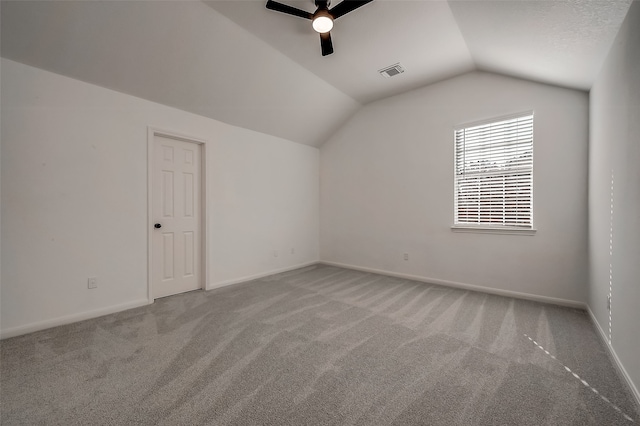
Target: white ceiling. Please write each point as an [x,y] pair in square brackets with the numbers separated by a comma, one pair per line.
[178,53]
[561,42]
[240,63]
[422,35]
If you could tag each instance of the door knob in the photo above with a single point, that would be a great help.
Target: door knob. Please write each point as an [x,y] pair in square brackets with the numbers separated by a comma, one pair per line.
[157,226]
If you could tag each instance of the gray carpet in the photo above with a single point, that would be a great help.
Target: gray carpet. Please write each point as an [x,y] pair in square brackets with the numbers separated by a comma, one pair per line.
[318,346]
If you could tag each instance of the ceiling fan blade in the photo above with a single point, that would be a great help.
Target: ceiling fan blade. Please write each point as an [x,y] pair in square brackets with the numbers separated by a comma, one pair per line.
[346,6]
[279,7]
[326,44]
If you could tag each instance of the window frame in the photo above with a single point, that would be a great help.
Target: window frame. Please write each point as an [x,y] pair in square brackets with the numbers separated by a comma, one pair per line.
[484,227]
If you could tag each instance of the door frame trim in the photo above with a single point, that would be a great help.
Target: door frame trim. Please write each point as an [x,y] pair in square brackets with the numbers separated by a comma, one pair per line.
[152,132]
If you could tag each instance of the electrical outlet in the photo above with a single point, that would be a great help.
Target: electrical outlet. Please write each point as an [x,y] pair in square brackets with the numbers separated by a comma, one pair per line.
[92,282]
[406,256]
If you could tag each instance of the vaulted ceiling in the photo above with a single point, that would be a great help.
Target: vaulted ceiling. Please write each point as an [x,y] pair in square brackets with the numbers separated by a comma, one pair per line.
[237,62]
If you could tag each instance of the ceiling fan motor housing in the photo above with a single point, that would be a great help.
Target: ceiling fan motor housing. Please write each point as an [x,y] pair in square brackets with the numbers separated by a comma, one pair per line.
[322,19]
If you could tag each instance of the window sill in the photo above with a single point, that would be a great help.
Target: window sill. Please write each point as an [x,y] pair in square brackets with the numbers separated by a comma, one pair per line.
[496,230]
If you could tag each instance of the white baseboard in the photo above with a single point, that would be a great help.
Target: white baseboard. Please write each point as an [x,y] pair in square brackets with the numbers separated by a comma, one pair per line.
[260,275]
[499,292]
[614,356]
[68,319]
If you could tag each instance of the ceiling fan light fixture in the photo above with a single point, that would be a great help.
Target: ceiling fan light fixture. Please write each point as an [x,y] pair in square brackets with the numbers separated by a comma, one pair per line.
[322,22]
[322,18]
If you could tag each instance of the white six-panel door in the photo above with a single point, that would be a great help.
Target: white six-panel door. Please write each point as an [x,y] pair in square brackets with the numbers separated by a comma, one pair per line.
[176,211]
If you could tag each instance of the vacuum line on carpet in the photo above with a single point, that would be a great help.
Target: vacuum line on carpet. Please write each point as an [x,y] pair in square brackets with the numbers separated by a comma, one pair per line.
[584,382]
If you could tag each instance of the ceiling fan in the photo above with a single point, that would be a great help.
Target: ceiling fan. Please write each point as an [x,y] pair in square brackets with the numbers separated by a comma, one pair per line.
[322,19]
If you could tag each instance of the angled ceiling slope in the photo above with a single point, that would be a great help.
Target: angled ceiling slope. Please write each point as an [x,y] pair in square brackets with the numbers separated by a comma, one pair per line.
[422,35]
[237,62]
[181,54]
[560,42]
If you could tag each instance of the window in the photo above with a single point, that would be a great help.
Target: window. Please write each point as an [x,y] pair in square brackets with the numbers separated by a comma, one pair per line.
[494,175]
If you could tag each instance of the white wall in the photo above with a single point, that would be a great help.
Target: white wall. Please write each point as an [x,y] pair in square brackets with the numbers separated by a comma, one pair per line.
[74,198]
[387,188]
[614,149]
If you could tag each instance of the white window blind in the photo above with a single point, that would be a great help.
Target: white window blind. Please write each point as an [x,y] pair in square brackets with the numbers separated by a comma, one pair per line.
[494,173]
